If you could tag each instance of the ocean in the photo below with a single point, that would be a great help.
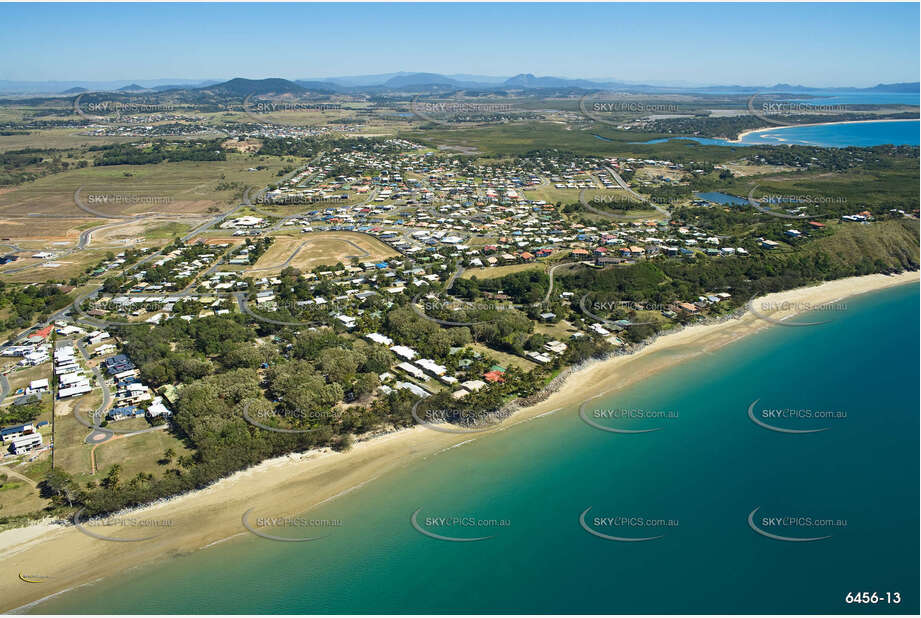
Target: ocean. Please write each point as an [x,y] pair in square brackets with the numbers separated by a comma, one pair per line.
[903,132]
[690,486]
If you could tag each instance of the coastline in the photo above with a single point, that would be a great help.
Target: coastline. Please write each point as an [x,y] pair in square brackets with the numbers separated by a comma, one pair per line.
[814,124]
[295,483]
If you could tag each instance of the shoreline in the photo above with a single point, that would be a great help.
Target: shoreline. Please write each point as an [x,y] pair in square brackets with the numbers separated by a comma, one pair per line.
[738,139]
[296,483]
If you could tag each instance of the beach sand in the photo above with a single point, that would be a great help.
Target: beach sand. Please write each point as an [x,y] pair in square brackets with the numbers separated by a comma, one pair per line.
[64,558]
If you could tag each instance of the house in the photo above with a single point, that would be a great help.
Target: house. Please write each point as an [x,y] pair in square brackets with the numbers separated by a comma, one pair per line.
[104,349]
[10,433]
[432,367]
[412,388]
[77,389]
[493,376]
[599,329]
[156,408]
[122,412]
[404,352]
[473,385]
[37,386]
[379,338]
[769,244]
[26,443]
[538,357]
[412,370]
[133,393]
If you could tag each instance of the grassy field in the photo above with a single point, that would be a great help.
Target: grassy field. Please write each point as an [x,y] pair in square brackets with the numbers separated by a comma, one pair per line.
[316,248]
[500,271]
[173,188]
[520,138]
[138,453]
[503,358]
[57,138]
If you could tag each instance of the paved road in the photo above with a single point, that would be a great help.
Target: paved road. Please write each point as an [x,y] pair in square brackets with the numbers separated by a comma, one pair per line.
[4,388]
[550,273]
[457,273]
[623,185]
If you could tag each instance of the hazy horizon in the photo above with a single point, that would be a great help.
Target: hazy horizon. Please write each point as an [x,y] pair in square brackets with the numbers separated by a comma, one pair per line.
[699,44]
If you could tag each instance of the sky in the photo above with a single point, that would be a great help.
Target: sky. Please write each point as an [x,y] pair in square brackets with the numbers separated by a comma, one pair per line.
[818,44]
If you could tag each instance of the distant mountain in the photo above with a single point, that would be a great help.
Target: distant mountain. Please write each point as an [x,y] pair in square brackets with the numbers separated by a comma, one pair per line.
[912,87]
[241,87]
[529,81]
[420,79]
[131,88]
[75,90]
[57,87]
[319,87]
[359,80]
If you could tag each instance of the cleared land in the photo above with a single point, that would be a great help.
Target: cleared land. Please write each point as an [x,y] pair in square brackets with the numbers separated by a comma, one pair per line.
[186,187]
[307,251]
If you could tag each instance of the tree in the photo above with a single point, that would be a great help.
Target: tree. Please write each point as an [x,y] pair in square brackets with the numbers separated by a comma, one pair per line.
[60,487]
[168,457]
[111,479]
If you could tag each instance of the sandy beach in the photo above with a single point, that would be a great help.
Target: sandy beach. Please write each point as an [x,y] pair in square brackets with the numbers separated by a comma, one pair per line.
[813,124]
[59,557]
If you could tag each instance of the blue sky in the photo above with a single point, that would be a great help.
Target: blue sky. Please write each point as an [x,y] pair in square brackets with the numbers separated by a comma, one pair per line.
[749,44]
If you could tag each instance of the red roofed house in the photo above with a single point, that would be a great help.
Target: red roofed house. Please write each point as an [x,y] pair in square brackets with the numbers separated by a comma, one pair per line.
[43,332]
[493,376]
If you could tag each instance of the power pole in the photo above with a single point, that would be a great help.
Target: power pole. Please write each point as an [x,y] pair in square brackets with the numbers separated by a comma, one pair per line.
[54,392]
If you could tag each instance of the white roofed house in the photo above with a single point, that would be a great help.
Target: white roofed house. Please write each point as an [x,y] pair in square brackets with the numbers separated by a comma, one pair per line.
[432,367]
[404,352]
[37,386]
[378,338]
[156,408]
[133,393]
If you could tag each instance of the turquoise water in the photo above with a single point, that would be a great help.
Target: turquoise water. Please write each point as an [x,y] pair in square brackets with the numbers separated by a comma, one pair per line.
[903,132]
[721,198]
[707,468]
